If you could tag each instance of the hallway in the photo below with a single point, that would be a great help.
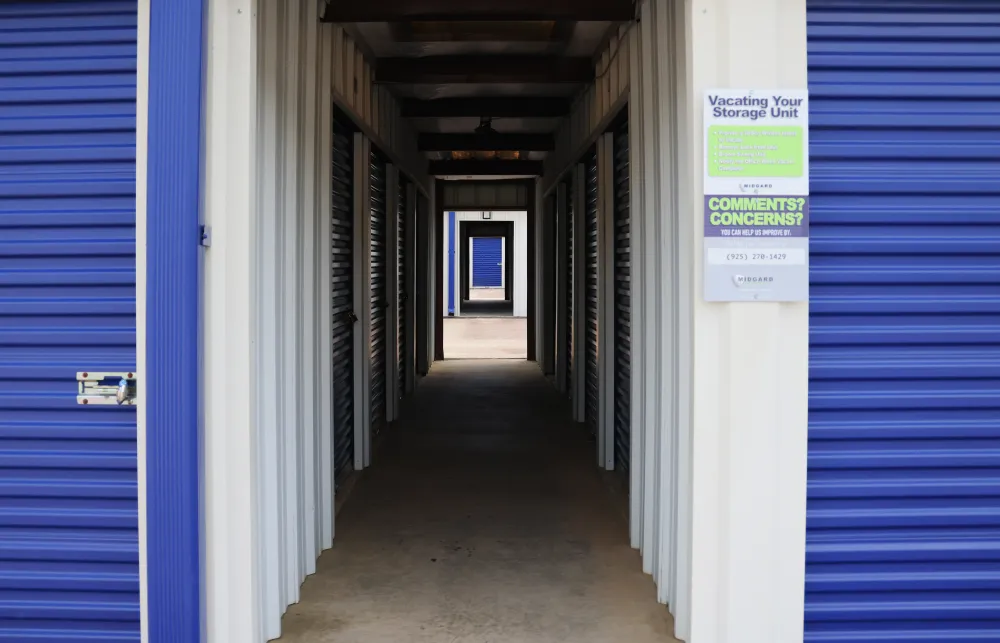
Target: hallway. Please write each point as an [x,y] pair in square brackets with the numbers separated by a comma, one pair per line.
[482,520]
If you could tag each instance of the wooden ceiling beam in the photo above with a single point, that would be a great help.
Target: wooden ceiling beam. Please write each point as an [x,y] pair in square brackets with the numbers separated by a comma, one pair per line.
[497,107]
[436,70]
[484,10]
[492,167]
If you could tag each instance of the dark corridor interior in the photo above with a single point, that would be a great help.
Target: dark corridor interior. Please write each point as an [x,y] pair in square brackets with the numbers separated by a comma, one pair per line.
[483,518]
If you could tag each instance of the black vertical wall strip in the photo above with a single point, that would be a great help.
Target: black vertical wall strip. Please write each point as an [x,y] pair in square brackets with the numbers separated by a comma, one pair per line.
[401,292]
[378,282]
[623,300]
[591,390]
[342,295]
[569,289]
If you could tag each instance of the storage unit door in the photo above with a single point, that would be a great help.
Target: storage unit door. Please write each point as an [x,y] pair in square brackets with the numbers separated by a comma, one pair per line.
[623,300]
[378,289]
[903,539]
[343,315]
[401,293]
[487,262]
[570,291]
[591,389]
[69,544]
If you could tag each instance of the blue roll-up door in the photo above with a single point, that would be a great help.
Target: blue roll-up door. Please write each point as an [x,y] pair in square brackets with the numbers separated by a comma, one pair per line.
[487,262]
[903,540]
[590,303]
[69,559]
[342,314]
[378,289]
[570,290]
[623,300]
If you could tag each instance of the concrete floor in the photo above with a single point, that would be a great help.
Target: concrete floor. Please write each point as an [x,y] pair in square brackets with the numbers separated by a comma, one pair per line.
[485,338]
[482,520]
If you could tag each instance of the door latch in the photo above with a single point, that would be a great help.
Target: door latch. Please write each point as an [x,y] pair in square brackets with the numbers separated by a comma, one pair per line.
[106,388]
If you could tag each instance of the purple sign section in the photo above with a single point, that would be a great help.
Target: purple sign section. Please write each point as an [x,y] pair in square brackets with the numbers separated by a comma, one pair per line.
[757,216]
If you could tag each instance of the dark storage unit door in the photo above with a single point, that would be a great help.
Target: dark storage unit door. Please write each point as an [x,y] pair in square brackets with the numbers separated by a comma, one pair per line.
[342,312]
[402,295]
[903,527]
[569,289]
[623,300]
[70,546]
[592,405]
[379,290]
[487,262]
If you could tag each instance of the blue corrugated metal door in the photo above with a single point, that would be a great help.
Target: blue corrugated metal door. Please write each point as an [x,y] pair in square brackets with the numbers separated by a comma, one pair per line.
[343,317]
[378,284]
[903,535]
[68,496]
[623,300]
[487,262]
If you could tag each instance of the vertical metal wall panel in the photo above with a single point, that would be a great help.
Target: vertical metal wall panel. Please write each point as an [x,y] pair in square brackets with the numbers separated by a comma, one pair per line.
[590,304]
[67,304]
[570,290]
[903,527]
[487,262]
[401,286]
[622,280]
[342,313]
[378,287]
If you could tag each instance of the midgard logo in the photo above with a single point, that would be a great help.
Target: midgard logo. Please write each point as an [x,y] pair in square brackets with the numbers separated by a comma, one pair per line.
[741,281]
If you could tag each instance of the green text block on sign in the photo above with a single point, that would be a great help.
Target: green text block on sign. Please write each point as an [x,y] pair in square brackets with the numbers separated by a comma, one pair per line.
[763,151]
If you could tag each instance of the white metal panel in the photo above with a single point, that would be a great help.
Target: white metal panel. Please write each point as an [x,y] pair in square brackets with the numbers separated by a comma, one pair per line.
[141,157]
[230,360]
[324,367]
[362,304]
[606,301]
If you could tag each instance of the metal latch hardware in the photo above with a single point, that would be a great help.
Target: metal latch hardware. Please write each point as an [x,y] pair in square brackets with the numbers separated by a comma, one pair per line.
[106,388]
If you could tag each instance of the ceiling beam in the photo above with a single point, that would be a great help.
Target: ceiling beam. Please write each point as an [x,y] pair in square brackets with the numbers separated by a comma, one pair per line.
[497,107]
[400,10]
[484,69]
[490,142]
[492,167]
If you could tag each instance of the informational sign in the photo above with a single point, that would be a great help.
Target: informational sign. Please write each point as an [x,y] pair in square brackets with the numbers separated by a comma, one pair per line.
[756,238]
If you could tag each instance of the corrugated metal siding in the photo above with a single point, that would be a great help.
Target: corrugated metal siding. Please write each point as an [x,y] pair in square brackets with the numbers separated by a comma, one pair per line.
[487,260]
[68,498]
[570,291]
[591,390]
[401,294]
[379,295]
[903,538]
[623,300]
[342,295]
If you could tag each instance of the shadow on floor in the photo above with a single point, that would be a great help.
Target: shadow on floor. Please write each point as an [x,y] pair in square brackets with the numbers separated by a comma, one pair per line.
[482,520]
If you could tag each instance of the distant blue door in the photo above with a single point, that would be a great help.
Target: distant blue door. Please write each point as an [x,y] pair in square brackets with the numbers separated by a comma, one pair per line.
[487,262]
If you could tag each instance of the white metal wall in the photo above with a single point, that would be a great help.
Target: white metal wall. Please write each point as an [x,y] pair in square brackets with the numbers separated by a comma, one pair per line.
[274,73]
[520,220]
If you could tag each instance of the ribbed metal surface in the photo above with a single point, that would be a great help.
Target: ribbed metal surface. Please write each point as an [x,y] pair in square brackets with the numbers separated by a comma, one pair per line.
[570,292]
[591,390]
[69,560]
[487,262]
[623,300]
[903,540]
[378,289]
[402,298]
[342,295]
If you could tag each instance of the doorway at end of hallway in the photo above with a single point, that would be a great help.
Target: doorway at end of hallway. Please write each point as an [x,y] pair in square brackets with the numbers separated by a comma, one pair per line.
[485,338]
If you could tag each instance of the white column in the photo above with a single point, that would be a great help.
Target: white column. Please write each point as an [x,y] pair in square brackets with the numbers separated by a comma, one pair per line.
[230,438]
[748,371]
